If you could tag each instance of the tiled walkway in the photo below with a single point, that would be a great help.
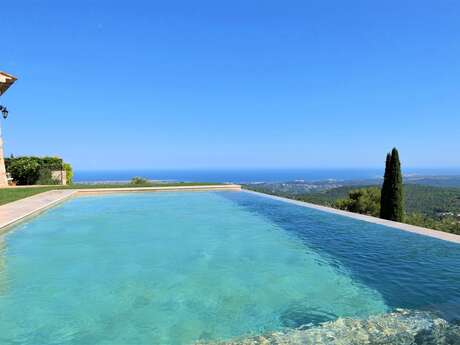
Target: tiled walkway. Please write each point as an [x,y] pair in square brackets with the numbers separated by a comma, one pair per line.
[14,211]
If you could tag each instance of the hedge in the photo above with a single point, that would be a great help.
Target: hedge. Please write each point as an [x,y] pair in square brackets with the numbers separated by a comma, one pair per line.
[36,170]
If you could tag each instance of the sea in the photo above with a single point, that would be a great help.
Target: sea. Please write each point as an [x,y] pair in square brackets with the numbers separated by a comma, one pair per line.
[245,175]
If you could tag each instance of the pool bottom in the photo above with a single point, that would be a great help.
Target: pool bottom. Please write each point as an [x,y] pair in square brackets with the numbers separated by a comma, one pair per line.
[402,327]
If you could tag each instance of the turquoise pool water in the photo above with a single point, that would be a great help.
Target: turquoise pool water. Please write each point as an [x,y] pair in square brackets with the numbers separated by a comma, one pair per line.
[177,268]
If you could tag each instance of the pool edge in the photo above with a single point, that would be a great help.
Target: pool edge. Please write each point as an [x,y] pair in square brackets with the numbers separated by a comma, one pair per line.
[95,191]
[441,235]
[19,210]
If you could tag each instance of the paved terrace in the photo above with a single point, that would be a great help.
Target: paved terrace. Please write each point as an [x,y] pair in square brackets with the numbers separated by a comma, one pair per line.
[18,210]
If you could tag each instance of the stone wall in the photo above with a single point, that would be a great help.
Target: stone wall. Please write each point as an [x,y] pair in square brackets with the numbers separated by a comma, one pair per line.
[59,176]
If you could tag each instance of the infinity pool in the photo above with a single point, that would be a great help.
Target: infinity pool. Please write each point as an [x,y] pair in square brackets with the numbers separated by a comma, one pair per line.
[187,267]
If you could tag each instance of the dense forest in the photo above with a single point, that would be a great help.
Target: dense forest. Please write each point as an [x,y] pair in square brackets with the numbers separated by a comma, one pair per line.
[428,206]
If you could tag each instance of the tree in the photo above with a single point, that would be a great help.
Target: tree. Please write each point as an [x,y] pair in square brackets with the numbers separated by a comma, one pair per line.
[363,200]
[391,202]
[396,191]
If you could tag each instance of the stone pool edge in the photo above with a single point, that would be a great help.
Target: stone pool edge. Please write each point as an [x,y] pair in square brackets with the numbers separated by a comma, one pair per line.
[95,191]
[441,235]
[17,211]
[23,209]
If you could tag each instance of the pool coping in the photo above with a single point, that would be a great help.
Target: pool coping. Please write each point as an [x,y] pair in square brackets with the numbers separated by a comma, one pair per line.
[89,191]
[20,210]
[441,235]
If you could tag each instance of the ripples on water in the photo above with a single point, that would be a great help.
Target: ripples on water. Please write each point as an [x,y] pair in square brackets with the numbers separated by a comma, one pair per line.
[408,270]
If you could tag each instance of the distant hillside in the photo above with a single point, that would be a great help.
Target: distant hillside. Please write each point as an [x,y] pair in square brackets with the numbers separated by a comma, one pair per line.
[431,200]
[435,181]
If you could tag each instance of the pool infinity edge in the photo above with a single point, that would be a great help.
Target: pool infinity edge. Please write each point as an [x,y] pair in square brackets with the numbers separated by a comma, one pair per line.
[441,235]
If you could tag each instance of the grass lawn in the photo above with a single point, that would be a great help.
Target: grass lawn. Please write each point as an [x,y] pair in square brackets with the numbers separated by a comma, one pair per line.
[12,194]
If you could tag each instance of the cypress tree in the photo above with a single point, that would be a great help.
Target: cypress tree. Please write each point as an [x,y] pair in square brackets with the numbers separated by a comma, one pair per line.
[396,188]
[391,200]
[385,188]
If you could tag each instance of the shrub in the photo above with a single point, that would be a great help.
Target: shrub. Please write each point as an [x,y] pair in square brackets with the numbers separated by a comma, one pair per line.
[139,180]
[36,170]
[24,170]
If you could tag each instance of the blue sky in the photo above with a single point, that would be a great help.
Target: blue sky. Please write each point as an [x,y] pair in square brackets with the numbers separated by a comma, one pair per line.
[200,84]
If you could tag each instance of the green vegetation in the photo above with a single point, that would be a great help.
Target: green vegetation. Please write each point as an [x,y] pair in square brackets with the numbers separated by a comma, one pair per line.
[24,171]
[36,170]
[68,173]
[12,194]
[363,200]
[136,180]
[391,200]
[431,201]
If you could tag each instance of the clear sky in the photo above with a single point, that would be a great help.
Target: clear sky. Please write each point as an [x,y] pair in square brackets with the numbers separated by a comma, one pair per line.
[199,84]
